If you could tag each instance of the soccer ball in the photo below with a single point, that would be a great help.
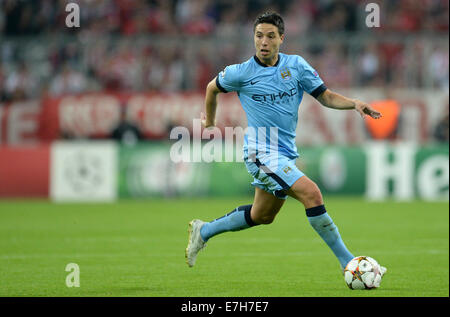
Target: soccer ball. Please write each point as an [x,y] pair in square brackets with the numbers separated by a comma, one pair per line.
[362,272]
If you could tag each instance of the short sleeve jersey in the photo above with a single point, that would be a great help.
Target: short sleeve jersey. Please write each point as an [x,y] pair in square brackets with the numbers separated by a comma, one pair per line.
[270,97]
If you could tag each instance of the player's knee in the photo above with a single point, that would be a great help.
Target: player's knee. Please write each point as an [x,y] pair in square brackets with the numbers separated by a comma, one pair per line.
[265,219]
[312,196]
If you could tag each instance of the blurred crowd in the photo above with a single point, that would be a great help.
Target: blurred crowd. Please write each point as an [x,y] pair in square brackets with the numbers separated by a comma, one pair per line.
[179,45]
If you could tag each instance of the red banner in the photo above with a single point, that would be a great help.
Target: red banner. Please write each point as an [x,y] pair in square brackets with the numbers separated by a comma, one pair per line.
[96,115]
[24,171]
[19,123]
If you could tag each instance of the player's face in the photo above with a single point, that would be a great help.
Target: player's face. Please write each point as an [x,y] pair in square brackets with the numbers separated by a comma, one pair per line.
[267,42]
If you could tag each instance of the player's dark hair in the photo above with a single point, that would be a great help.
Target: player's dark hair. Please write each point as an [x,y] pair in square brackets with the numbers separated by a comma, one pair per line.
[270,17]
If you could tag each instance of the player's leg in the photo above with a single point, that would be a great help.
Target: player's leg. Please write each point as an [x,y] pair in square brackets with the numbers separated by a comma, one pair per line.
[265,206]
[263,210]
[267,202]
[237,219]
[269,197]
[308,193]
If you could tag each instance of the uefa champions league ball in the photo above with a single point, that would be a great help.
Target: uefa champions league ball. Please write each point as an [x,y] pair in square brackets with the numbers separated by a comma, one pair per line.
[362,272]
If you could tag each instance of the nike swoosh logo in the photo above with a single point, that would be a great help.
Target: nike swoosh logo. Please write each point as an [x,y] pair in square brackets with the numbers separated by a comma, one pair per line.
[254,82]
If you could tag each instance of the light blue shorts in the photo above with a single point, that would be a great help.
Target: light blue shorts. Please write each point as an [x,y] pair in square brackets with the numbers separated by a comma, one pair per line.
[273,173]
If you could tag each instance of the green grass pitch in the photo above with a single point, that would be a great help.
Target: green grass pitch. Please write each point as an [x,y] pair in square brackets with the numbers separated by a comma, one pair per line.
[136,248]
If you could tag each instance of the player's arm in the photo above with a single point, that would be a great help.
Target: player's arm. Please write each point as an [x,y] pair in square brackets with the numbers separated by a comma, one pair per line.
[334,100]
[210,104]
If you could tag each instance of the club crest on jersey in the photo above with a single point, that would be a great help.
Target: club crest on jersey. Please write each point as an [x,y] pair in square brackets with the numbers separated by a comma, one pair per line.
[285,74]
[287,169]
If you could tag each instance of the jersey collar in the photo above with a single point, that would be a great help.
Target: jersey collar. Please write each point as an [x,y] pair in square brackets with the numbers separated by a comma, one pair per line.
[264,65]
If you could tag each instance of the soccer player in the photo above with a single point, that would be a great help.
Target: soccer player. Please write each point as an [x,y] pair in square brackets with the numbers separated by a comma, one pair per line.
[270,87]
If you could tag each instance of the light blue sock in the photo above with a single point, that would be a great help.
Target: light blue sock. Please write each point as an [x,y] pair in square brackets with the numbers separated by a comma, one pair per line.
[324,226]
[236,220]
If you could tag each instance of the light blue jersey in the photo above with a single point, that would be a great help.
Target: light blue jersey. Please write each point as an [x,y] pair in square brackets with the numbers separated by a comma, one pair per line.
[270,96]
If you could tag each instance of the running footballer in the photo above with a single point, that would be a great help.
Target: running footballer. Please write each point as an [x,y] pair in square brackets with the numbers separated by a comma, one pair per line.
[270,87]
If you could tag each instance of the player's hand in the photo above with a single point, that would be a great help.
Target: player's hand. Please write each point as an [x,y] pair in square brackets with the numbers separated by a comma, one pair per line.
[365,109]
[205,123]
